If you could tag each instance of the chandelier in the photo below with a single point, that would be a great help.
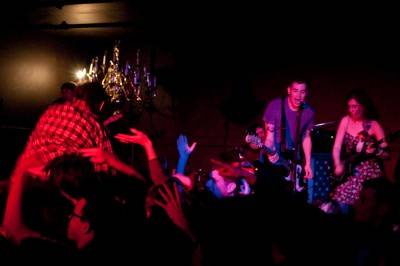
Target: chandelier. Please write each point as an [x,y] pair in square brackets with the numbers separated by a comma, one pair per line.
[127,84]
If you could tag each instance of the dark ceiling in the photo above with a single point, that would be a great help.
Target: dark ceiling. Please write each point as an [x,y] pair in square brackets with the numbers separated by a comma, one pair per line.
[263,30]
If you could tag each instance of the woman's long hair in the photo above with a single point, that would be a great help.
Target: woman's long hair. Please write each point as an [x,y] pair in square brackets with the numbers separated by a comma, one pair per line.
[370,112]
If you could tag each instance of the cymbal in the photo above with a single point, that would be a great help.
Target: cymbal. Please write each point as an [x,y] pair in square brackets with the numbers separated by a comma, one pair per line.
[325,124]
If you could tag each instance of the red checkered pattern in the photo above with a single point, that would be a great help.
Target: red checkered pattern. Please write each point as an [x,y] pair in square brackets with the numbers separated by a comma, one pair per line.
[66,128]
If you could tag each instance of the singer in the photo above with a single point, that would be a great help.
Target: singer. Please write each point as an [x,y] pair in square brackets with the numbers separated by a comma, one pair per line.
[288,121]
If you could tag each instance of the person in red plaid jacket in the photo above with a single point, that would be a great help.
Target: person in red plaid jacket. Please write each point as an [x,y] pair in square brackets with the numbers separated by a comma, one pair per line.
[70,126]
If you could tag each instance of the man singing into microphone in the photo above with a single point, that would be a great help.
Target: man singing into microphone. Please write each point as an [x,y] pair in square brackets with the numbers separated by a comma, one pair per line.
[288,121]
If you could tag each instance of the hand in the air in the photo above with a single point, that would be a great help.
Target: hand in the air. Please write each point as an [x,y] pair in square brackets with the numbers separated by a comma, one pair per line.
[183,147]
[137,137]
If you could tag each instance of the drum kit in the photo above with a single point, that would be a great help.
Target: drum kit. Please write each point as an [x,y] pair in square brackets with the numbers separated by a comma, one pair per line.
[323,135]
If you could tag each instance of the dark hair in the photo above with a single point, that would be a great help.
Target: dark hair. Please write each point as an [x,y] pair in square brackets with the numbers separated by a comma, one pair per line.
[362,98]
[299,81]
[74,174]
[92,93]
[69,85]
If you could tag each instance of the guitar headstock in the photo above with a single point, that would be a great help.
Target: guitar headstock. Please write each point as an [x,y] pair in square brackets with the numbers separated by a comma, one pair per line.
[254,140]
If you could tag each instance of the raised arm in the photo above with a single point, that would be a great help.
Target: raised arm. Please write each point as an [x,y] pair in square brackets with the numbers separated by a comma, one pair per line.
[99,156]
[138,137]
[184,151]
[172,205]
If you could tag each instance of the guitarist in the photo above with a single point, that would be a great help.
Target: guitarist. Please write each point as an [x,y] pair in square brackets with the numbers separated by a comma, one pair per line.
[358,149]
[288,121]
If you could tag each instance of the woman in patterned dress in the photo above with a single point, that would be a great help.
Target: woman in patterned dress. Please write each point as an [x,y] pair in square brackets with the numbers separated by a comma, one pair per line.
[358,149]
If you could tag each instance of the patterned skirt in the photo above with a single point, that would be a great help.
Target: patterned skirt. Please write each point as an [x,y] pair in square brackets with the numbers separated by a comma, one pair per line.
[349,191]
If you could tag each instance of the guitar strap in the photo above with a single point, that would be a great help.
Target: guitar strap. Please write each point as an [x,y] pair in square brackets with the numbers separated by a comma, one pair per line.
[296,141]
[283,127]
[296,150]
[362,144]
[297,136]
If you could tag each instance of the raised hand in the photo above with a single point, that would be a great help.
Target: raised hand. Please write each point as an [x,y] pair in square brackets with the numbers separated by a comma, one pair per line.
[183,147]
[137,137]
[172,206]
[184,151]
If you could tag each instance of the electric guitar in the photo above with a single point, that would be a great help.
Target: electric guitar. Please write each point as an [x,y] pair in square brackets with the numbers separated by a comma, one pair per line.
[295,170]
[369,142]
